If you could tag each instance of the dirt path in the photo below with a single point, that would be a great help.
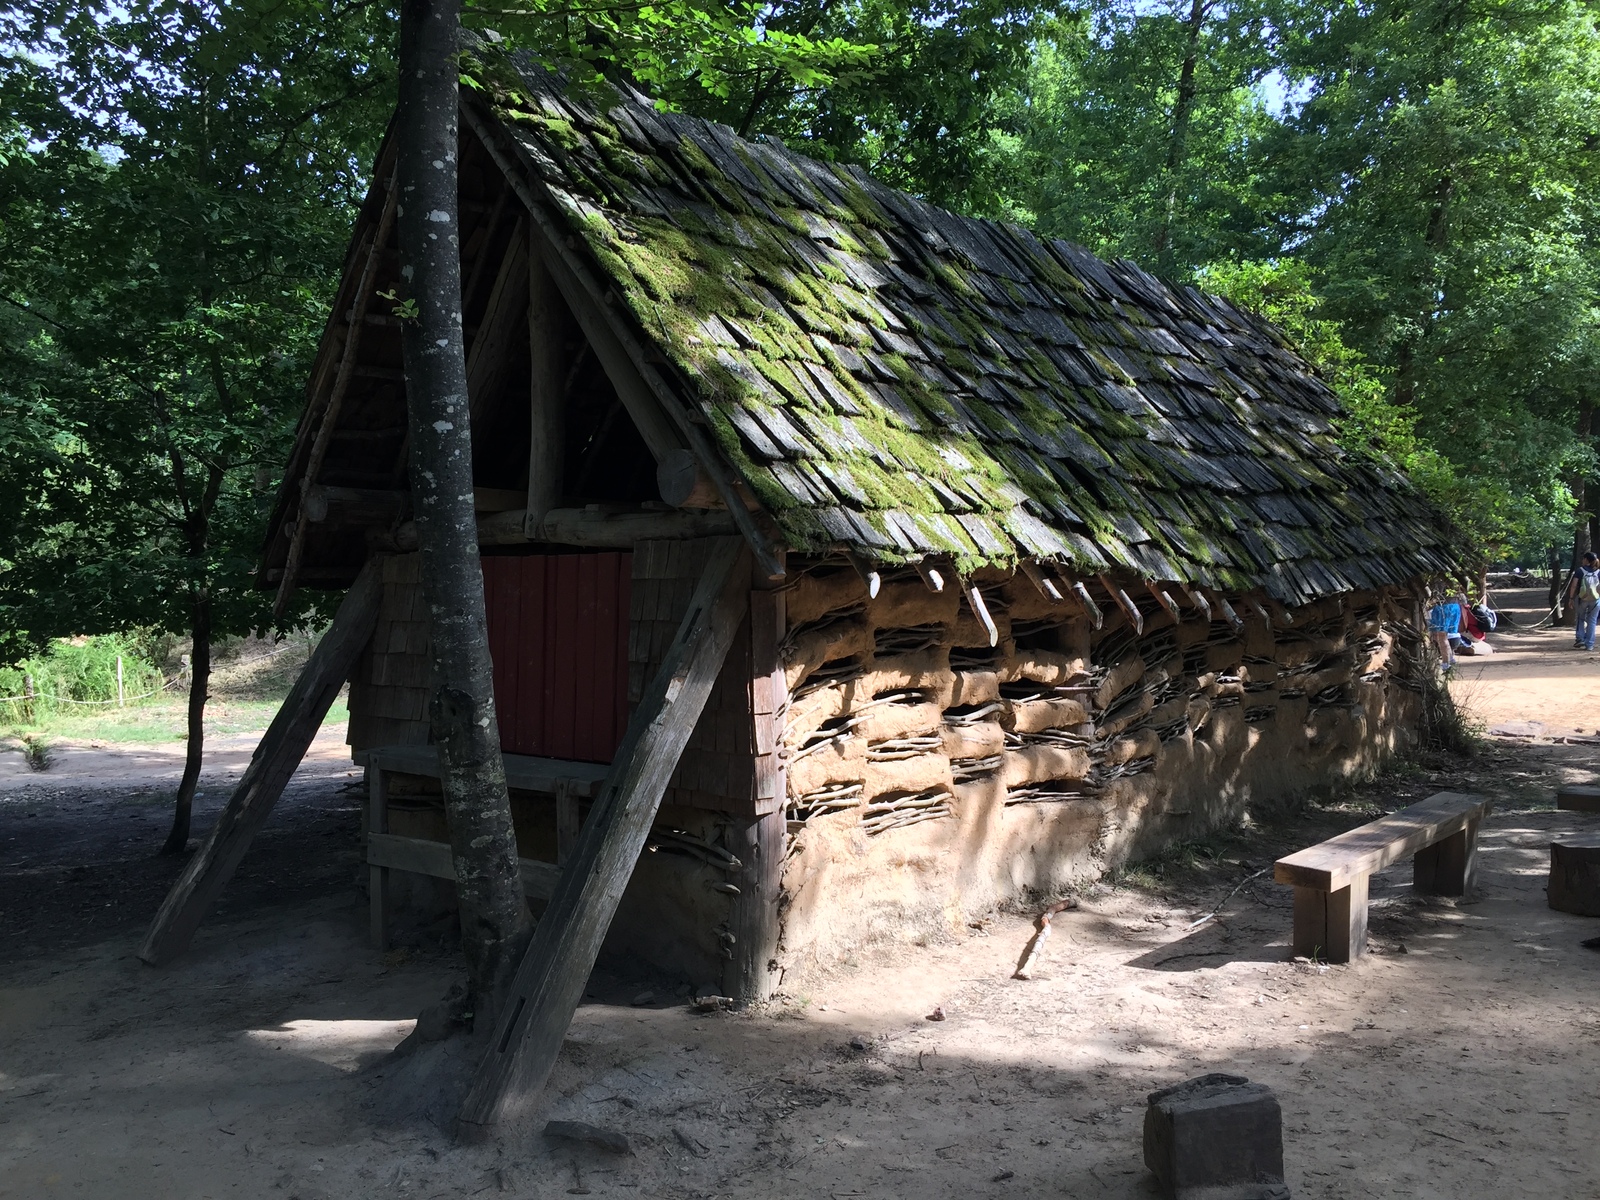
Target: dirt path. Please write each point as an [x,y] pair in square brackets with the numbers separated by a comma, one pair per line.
[1457,1060]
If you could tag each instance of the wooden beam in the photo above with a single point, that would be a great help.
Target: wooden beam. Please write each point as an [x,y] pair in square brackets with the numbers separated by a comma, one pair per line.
[275,760]
[552,975]
[354,506]
[547,390]
[424,856]
[341,384]
[488,362]
[753,923]
[670,424]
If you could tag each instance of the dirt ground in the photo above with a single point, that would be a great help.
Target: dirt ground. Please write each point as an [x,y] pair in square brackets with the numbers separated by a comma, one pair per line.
[1456,1060]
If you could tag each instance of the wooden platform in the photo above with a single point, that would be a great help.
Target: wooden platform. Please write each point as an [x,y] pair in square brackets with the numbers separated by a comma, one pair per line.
[1330,878]
[567,781]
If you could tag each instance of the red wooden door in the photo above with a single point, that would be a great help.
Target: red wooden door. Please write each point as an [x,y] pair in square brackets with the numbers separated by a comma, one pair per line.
[558,634]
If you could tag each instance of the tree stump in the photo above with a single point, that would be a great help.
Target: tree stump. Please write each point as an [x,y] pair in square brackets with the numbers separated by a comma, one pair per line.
[1218,1137]
[1575,875]
[1576,798]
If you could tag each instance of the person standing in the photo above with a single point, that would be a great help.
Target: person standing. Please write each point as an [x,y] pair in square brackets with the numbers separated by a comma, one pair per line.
[1444,626]
[1584,591]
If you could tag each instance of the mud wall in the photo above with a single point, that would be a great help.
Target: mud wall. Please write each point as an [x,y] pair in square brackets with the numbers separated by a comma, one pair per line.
[931,776]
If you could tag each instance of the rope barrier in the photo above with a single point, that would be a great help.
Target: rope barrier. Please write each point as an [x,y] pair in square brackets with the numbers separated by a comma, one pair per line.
[69,700]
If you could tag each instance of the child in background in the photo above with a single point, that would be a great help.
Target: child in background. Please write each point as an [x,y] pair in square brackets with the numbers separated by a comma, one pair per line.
[1444,626]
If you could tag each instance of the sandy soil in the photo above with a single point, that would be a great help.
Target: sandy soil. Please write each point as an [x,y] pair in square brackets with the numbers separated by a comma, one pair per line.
[1457,1060]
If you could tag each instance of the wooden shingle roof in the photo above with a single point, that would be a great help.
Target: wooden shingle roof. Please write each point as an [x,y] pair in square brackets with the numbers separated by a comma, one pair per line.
[892,379]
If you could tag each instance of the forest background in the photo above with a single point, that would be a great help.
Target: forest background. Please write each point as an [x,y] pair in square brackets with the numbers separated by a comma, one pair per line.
[1408,188]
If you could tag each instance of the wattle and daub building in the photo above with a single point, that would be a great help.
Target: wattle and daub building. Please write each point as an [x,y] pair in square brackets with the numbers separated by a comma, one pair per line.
[1054,562]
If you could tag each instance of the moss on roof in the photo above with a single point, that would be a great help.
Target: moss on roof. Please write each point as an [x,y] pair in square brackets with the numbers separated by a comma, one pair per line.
[903,382]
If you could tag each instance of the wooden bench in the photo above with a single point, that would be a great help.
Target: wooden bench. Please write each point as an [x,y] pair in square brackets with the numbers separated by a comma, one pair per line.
[1578,798]
[1330,878]
[569,782]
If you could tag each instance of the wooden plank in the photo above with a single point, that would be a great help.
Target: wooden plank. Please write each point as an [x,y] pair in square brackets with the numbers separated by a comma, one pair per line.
[569,824]
[758,845]
[1449,866]
[1331,925]
[551,977]
[275,760]
[424,856]
[525,772]
[377,875]
[561,683]
[1333,864]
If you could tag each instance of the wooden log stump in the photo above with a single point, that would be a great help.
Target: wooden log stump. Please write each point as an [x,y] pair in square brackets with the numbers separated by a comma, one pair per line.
[1216,1136]
[1575,875]
[1578,798]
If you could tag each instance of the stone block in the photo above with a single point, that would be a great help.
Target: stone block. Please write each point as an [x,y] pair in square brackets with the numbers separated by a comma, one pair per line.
[1217,1137]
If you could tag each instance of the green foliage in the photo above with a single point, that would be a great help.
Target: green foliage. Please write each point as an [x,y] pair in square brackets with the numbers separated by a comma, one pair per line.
[76,671]
[173,215]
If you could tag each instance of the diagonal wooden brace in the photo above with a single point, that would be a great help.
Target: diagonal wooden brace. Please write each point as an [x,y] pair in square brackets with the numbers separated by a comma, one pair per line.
[275,760]
[550,980]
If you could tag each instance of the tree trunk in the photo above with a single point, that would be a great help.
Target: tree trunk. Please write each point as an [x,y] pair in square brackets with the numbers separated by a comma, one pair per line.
[1178,142]
[194,751]
[494,916]
[1583,496]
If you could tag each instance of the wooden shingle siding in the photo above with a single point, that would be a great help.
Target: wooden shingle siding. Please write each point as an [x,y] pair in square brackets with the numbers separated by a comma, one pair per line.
[390,685]
[720,768]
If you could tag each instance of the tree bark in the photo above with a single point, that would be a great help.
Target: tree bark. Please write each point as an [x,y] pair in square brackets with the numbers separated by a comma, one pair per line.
[194,749]
[1178,142]
[494,916]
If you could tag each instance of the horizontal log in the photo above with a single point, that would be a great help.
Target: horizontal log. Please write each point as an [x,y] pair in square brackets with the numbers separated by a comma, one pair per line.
[592,527]
[354,506]
[425,857]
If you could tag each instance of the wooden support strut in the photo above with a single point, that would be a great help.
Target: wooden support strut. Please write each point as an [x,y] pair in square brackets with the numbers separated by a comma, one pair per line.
[279,753]
[586,298]
[552,975]
[330,411]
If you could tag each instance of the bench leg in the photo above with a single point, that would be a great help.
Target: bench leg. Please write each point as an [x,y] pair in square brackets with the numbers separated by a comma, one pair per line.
[377,877]
[1447,867]
[1331,926]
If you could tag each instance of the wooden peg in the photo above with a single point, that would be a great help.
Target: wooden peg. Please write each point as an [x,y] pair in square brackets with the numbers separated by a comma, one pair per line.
[1198,599]
[868,576]
[1228,615]
[981,611]
[1128,607]
[1164,600]
[1089,606]
[931,575]
[1047,586]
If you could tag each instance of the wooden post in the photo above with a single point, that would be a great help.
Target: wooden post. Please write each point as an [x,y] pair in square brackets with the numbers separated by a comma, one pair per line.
[1574,885]
[547,435]
[1331,926]
[569,821]
[551,977]
[378,877]
[119,682]
[758,845]
[275,760]
[1447,867]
